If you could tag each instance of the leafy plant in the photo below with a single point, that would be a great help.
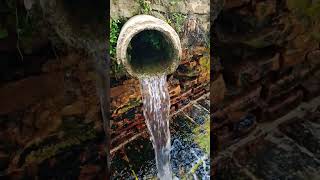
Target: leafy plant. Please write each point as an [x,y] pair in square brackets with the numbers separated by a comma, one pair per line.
[174,2]
[145,6]
[177,20]
[117,70]
[114,33]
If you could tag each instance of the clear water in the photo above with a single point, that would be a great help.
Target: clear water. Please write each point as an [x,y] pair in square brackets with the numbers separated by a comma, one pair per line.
[156,104]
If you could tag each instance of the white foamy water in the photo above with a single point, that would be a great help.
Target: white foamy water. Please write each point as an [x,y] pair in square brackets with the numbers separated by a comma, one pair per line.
[156,108]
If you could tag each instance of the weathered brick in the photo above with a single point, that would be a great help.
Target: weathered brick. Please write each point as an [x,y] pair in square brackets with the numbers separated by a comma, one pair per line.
[175,91]
[283,104]
[247,101]
[282,86]
[248,72]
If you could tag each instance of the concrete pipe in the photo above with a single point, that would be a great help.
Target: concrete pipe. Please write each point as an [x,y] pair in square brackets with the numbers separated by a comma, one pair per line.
[80,23]
[148,46]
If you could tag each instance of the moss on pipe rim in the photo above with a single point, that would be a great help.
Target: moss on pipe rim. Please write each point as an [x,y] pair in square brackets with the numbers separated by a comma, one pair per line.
[138,25]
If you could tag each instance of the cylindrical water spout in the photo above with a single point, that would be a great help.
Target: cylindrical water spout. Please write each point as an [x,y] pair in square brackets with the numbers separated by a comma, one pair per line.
[148,46]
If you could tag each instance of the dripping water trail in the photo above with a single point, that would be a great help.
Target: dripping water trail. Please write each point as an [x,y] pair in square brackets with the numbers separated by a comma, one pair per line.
[156,103]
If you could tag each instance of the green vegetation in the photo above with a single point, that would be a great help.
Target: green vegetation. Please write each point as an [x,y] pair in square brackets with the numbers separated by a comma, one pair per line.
[117,70]
[205,63]
[145,6]
[114,33]
[196,166]
[128,106]
[176,20]
[174,2]
[202,136]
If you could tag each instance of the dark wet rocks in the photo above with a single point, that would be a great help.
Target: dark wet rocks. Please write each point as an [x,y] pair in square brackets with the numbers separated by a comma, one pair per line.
[304,132]
[285,148]
[272,158]
[227,168]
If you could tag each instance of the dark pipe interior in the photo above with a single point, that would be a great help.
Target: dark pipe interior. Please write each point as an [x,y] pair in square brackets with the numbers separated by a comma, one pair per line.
[150,52]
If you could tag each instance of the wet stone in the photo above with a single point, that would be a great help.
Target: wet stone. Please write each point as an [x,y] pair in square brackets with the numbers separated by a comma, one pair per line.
[276,158]
[120,168]
[304,132]
[140,155]
[182,126]
[198,113]
[186,155]
[205,103]
[226,168]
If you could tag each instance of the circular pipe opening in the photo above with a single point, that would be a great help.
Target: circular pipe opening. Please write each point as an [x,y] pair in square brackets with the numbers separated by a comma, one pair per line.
[150,52]
[148,46]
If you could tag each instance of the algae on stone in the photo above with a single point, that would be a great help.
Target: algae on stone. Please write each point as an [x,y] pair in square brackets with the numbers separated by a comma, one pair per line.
[202,136]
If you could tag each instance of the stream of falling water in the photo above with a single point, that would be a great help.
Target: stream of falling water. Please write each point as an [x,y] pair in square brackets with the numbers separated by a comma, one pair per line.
[156,103]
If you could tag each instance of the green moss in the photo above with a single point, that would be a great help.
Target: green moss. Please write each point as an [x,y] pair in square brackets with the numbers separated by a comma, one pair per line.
[174,2]
[114,33]
[202,136]
[176,20]
[117,70]
[134,175]
[205,63]
[196,166]
[127,107]
[145,6]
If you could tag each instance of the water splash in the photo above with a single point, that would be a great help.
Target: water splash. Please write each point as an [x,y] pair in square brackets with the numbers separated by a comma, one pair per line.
[156,102]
